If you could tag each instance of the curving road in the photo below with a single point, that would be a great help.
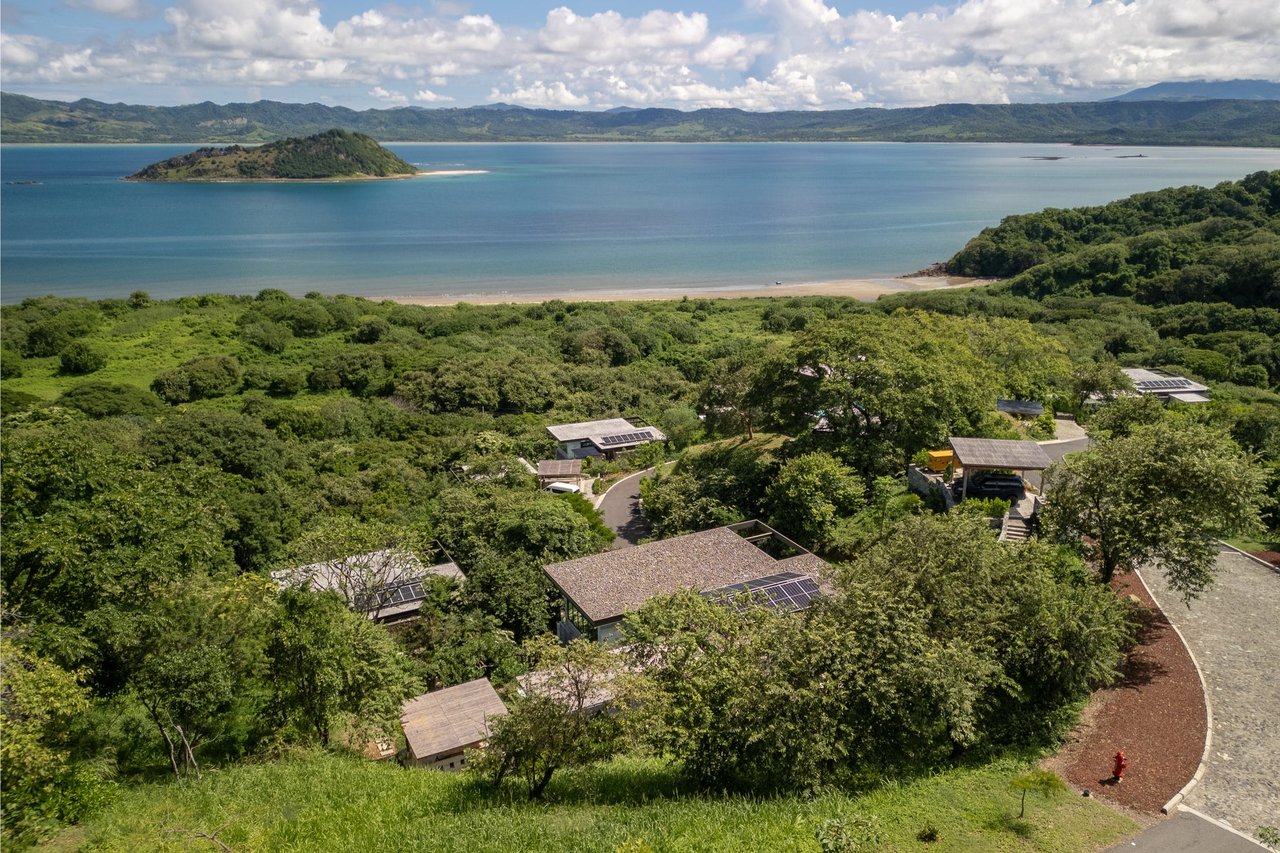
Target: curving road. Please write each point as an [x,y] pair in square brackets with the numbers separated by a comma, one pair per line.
[620,508]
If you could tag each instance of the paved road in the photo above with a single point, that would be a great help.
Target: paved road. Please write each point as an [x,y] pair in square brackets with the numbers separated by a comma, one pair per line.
[1187,833]
[1233,630]
[1071,439]
[620,508]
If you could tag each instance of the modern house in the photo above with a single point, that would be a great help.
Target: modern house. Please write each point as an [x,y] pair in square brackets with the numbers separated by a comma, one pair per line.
[388,585]
[601,438]
[722,563]
[1177,389]
[439,727]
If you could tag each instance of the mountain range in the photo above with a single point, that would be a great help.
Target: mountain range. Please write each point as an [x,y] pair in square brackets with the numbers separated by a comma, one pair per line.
[1233,122]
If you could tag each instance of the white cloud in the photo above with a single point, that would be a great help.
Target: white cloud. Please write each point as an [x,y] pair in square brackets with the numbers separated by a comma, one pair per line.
[116,8]
[388,97]
[554,95]
[800,54]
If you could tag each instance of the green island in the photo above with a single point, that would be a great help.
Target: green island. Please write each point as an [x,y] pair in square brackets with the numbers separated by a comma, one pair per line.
[164,458]
[332,155]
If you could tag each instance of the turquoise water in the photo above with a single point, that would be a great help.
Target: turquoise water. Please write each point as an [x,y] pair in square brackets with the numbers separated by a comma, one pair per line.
[547,218]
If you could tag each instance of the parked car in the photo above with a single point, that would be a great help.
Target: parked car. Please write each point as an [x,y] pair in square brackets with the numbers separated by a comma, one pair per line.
[1009,487]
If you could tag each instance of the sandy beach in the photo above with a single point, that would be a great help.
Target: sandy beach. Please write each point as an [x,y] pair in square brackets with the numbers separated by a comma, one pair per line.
[866,289]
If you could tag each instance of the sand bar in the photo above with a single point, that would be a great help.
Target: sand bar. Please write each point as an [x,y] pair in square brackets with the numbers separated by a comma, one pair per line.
[866,289]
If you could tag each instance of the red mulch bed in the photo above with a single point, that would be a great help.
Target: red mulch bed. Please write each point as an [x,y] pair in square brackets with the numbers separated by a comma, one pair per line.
[1156,714]
[1272,557]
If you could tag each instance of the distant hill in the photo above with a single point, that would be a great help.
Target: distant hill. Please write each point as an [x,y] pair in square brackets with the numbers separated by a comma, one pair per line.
[328,155]
[1206,90]
[1231,122]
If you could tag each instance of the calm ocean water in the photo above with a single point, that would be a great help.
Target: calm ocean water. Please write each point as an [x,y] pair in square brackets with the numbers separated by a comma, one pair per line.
[547,218]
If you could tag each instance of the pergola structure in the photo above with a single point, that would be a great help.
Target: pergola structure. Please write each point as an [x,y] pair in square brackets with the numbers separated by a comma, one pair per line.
[997,454]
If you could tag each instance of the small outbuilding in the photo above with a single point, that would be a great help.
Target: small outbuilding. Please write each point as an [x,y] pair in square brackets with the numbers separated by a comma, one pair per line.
[997,454]
[439,727]
[559,471]
[601,438]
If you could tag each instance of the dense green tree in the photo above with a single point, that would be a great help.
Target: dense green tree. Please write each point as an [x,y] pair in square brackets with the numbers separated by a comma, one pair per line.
[331,668]
[44,785]
[809,496]
[1159,495]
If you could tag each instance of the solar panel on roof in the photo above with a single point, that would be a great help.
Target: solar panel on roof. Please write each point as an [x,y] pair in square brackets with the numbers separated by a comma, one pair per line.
[786,592]
[626,437]
[401,592]
[1162,384]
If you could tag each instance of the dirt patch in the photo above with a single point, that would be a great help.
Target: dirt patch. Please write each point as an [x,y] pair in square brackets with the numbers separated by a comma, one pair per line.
[1272,557]
[1155,714]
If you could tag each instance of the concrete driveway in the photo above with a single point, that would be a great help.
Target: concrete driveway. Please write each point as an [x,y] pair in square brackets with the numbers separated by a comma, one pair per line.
[1233,631]
[620,508]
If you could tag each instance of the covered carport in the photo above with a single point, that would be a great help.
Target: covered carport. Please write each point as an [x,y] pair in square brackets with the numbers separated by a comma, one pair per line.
[997,454]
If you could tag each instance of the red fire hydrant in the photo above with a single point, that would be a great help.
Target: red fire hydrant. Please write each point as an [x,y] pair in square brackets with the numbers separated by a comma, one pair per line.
[1117,771]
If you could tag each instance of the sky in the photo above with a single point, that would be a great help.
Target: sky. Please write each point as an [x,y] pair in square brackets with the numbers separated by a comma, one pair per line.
[749,54]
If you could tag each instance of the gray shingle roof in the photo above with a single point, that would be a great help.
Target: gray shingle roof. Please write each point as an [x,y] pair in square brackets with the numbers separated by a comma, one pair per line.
[605,586]
[447,720]
[1000,453]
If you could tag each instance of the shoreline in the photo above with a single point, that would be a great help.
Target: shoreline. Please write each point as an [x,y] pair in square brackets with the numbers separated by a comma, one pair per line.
[862,289]
[337,179]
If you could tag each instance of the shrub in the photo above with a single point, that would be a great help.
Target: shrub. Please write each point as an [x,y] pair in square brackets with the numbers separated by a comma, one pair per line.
[370,329]
[106,400]
[78,358]
[267,336]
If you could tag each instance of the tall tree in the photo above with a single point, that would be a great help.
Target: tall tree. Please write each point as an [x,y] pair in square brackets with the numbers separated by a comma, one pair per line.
[1159,495]
[331,667]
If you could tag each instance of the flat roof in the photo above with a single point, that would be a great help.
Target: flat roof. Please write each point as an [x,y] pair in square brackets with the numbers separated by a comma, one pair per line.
[1152,382]
[606,586]
[560,468]
[609,434]
[380,583]
[1000,453]
[447,720]
[1188,397]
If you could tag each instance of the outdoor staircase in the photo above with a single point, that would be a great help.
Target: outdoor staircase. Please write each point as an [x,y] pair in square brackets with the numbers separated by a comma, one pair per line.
[1015,529]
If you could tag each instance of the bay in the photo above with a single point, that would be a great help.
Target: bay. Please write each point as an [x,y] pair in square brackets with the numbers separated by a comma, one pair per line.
[551,218]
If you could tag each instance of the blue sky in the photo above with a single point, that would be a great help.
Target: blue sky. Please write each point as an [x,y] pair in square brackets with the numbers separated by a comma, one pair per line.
[596,54]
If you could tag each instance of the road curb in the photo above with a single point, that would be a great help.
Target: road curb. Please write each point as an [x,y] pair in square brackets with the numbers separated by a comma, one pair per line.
[1228,827]
[600,498]
[1257,560]
[1176,800]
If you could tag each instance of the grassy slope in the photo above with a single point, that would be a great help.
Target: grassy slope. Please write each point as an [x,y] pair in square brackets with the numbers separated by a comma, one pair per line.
[333,803]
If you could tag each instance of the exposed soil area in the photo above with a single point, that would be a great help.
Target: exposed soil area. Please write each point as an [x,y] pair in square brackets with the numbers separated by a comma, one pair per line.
[1272,557]
[1155,714]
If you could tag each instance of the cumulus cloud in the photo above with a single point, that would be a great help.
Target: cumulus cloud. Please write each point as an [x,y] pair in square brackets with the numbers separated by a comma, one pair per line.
[385,96]
[426,96]
[793,54]
[555,95]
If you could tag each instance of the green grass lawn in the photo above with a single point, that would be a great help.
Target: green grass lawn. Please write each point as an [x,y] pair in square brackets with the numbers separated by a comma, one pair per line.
[334,803]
